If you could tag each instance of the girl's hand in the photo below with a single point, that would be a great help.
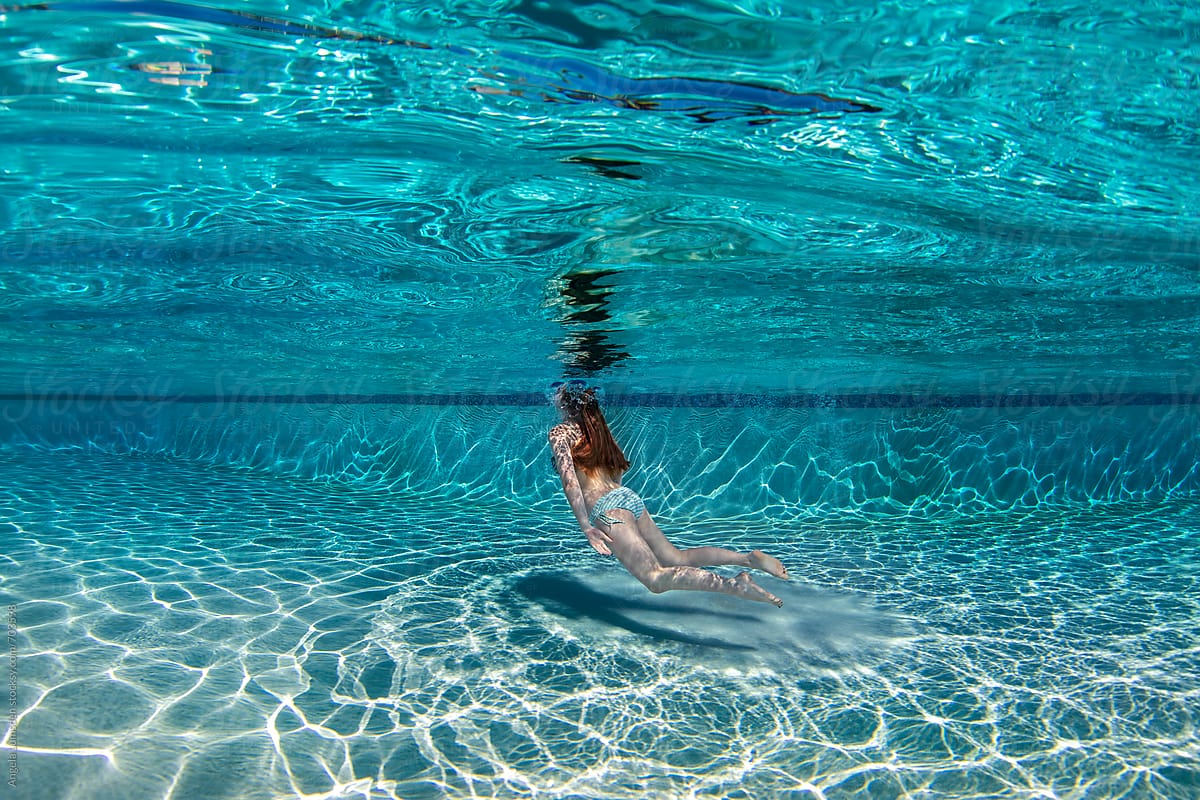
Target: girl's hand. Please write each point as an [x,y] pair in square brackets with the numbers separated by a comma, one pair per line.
[599,540]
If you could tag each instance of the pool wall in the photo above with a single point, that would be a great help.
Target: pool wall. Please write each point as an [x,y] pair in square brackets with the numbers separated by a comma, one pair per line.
[696,459]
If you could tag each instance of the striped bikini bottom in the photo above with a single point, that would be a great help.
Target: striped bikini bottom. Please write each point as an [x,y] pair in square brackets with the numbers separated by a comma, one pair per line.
[620,497]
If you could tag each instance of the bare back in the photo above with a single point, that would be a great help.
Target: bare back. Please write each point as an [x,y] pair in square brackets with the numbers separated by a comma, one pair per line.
[593,484]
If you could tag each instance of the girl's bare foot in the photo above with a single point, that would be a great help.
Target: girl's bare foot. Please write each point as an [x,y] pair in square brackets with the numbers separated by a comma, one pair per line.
[769,565]
[752,591]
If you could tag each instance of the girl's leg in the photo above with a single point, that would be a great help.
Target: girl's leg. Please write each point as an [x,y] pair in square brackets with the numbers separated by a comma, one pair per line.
[670,555]
[636,555]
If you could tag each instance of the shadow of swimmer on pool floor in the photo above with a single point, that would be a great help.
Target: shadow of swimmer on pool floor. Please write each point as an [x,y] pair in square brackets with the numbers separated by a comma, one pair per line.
[574,599]
[823,630]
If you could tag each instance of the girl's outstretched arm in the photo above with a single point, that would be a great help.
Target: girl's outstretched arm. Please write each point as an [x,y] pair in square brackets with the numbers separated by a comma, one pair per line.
[562,438]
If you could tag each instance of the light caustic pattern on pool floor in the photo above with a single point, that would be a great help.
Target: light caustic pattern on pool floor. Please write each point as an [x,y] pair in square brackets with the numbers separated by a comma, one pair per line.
[187,632]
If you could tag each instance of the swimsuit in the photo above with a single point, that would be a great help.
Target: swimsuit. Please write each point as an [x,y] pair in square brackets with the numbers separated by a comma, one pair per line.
[620,497]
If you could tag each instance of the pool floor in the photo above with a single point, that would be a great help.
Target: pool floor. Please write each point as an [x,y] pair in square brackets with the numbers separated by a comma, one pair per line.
[185,631]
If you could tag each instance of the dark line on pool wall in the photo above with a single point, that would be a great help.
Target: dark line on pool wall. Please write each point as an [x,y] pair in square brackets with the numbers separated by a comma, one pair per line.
[880,400]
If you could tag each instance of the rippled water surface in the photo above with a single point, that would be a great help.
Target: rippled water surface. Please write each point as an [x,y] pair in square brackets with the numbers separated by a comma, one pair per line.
[473,196]
[905,293]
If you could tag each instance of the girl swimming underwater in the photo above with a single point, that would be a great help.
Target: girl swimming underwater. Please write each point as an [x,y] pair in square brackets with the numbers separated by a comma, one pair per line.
[615,519]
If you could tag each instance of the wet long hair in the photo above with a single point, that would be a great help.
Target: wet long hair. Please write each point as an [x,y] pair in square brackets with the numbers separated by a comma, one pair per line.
[597,450]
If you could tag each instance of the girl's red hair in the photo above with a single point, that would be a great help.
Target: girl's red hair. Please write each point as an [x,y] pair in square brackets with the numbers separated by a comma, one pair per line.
[597,450]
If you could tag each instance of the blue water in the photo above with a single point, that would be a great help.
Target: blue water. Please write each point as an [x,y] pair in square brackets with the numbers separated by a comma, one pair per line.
[330,214]
[905,294]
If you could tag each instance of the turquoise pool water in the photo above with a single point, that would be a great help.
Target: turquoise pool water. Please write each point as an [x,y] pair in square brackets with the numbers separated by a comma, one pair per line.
[906,294]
